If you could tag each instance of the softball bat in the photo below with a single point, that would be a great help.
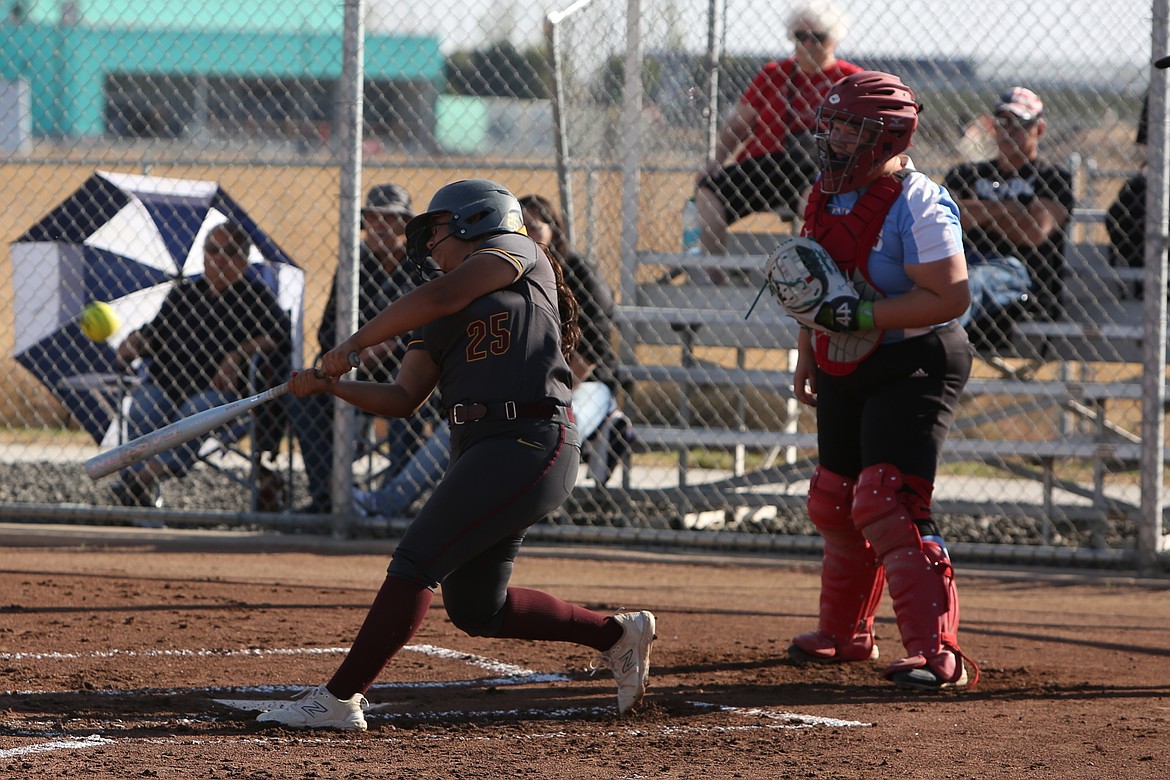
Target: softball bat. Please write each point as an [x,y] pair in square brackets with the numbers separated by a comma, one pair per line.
[175,434]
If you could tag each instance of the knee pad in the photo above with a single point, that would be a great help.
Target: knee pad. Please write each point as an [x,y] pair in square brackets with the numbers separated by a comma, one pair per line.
[830,503]
[830,507]
[916,496]
[881,511]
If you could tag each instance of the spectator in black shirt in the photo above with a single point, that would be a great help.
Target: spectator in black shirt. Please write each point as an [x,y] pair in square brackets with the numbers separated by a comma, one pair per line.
[382,277]
[1126,218]
[198,350]
[1015,210]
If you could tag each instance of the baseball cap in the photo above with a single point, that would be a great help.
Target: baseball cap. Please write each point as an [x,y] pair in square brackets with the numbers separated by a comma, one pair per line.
[388,199]
[1022,102]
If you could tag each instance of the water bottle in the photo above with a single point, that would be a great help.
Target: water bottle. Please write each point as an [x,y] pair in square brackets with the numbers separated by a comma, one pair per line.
[691,231]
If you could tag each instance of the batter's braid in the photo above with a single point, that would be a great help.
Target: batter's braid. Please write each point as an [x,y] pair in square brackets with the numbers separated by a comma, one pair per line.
[570,311]
[558,251]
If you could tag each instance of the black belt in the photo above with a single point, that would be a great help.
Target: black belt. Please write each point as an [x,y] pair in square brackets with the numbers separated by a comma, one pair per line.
[508,410]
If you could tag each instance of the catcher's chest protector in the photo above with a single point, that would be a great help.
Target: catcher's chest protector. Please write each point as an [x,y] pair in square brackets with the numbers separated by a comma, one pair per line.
[849,239]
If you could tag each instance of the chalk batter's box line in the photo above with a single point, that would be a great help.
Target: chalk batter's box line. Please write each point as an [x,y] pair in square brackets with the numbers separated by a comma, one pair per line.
[511,675]
[783,721]
[507,674]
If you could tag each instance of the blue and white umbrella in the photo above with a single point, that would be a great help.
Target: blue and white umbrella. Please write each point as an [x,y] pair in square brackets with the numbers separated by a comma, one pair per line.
[125,240]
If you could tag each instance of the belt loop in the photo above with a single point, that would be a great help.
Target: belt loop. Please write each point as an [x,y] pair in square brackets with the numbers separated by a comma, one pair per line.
[457,414]
[509,410]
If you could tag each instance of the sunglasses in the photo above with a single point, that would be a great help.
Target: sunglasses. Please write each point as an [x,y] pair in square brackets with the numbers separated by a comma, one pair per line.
[805,37]
[1011,123]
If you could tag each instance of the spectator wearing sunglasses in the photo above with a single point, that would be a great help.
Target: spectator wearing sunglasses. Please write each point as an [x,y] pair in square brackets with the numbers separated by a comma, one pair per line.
[765,154]
[197,351]
[1015,212]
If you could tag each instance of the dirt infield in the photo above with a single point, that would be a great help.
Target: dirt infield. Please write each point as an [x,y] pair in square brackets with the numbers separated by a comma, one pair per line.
[118,646]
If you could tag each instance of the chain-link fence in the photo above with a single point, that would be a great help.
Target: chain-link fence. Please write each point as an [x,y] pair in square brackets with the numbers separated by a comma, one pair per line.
[132,132]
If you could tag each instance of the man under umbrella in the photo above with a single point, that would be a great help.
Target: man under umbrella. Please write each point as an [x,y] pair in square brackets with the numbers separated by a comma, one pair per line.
[198,350]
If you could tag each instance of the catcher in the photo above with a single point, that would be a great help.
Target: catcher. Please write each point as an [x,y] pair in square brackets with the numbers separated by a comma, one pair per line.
[883,360]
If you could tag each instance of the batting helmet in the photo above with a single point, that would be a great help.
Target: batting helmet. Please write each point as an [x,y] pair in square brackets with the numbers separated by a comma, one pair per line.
[882,114]
[478,208]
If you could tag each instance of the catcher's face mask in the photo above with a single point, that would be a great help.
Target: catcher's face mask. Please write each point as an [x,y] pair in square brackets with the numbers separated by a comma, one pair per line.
[847,147]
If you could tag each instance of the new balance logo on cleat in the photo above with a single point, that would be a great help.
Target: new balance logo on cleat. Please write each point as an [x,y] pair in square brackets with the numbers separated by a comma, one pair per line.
[628,662]
[317,708]
[314,708]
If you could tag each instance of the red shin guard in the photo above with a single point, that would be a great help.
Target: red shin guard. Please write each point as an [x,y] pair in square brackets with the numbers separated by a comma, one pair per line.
[922,583]
[851,578]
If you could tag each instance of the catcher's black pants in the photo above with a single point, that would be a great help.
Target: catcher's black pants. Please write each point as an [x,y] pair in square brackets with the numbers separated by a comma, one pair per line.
[896,407]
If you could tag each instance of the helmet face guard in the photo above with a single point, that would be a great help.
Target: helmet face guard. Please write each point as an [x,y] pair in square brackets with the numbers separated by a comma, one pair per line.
[867,119]
[418,235]
[475,208]
[847,170]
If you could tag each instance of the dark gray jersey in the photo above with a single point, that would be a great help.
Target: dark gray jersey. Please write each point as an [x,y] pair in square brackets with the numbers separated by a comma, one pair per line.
[505,346]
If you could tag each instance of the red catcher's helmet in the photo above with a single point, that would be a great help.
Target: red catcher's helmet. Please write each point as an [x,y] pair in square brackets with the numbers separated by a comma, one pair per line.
[882,113]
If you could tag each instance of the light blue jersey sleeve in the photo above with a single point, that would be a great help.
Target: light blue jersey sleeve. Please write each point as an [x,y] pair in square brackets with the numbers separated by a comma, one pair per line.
[921,227]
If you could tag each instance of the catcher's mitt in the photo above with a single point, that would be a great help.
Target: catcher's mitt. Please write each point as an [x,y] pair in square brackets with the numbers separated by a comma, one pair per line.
[802,277]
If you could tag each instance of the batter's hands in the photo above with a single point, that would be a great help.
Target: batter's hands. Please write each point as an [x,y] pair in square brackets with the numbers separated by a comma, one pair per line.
[309,382]
[338,360]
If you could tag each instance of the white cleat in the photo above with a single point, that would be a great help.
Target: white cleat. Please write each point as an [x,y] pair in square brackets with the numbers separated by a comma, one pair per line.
[317,708]
[629,658]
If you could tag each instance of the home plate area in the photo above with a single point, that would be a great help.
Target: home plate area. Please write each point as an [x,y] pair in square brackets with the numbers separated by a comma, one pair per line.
[496,692]
[517,694]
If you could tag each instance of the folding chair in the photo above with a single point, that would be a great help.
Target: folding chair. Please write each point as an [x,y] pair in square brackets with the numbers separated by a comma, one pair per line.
[256,442]
[385,446]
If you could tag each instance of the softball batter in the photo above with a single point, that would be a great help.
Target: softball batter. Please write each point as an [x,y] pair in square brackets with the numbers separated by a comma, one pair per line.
[492,332]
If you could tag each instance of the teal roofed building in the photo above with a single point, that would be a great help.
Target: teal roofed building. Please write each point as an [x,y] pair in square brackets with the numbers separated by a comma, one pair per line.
[270,15]
[170,69]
